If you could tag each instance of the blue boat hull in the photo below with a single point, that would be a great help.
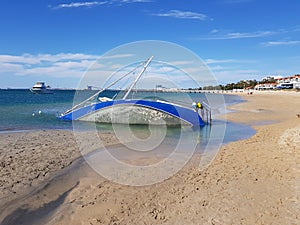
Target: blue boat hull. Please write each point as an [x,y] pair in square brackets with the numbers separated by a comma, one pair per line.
[149,111]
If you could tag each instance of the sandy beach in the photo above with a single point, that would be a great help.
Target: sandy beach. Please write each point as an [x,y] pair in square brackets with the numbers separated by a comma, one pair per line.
[255,181]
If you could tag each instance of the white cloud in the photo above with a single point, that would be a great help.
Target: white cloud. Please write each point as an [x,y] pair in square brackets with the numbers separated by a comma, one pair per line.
[18,59]
[91,68]
[216,68]
[240,35]
[94,71]
[216,61]
[117,56]
[97,3]
[57,65]
[214,31]
[10,67]
[40,58]
[228,61]
[278,43]
[180,63]
[183,15]
[79,4]
[74,65]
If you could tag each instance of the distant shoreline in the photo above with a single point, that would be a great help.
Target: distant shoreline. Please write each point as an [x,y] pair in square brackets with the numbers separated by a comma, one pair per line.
[171,90]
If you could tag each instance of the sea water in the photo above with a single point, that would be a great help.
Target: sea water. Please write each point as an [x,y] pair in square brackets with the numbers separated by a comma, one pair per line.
[22,110]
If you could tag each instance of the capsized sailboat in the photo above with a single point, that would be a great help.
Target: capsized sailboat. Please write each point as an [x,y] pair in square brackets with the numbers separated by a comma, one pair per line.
[133,111]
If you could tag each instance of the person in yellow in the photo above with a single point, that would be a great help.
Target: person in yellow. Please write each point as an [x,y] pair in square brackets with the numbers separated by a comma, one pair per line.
[199,105]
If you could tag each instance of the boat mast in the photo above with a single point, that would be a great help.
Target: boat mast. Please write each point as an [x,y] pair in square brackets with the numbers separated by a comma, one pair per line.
[104,89]
[138,77]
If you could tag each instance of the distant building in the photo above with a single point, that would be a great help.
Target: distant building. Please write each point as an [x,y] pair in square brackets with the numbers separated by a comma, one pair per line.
[290,82]
[266,86]
[295,78]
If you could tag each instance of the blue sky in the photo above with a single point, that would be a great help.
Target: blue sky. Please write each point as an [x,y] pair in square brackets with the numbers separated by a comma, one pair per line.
[56,41]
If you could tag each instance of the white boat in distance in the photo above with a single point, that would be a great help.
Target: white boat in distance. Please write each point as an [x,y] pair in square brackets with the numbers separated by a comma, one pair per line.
[41,88]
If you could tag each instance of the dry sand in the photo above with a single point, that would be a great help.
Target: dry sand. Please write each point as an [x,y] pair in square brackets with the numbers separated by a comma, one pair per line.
[253,181]
[29,158]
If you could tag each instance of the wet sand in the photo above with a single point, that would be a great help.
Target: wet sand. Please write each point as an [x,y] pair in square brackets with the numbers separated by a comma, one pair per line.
[253,181]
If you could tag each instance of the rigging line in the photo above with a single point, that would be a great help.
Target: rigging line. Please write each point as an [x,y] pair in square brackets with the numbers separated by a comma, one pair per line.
[138,77]
[113,83]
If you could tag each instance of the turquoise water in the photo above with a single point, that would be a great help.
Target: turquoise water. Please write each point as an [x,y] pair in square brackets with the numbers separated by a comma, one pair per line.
[23,110]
